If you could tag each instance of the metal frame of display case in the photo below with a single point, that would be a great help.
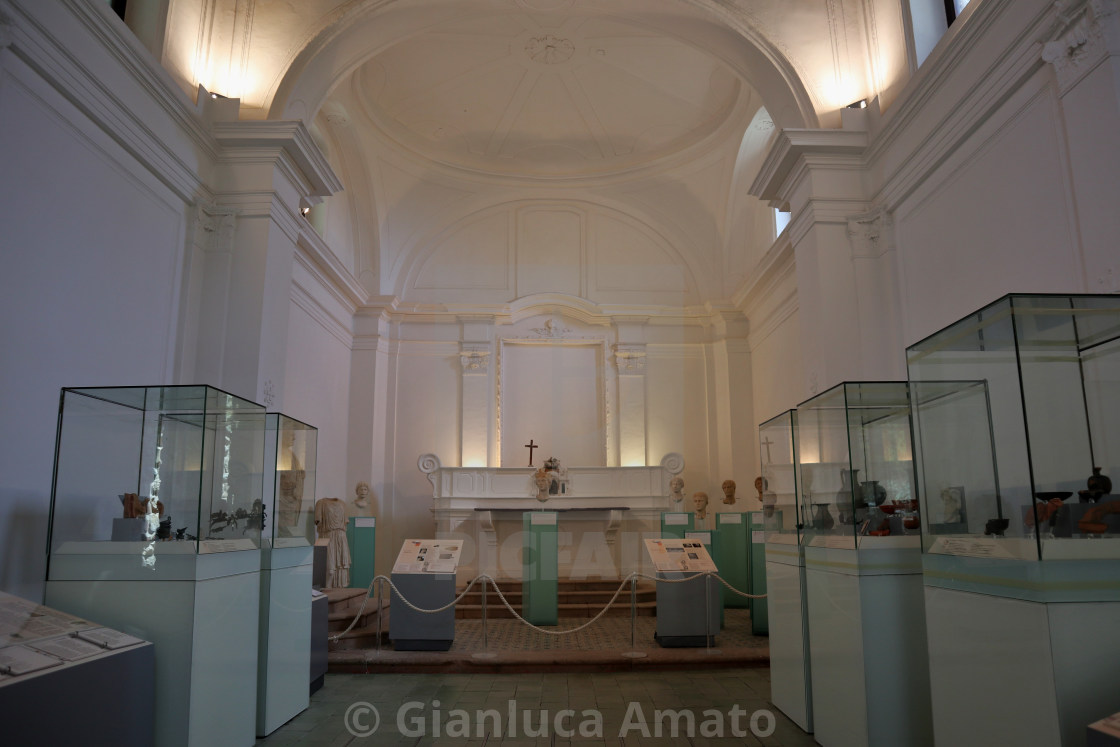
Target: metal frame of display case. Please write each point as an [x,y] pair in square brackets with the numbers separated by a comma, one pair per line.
[286,570]
[194,593]
[863,574]
[1014,406]
[790,679]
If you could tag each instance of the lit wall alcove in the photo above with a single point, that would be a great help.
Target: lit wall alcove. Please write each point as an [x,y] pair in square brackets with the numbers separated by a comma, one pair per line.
[556,392]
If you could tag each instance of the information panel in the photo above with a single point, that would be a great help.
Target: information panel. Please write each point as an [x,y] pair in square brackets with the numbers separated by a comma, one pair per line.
[428,556]
[680,555]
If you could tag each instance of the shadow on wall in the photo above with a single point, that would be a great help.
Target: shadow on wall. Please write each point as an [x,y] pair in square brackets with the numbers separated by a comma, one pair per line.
[23,565]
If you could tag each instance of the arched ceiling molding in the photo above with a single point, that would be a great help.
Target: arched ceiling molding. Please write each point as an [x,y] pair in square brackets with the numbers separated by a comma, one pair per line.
[357,31]
[411,259]
[348,157]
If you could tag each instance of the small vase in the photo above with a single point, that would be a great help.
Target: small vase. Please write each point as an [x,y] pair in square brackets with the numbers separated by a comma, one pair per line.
[1099,483]
[822,517]
[874,493]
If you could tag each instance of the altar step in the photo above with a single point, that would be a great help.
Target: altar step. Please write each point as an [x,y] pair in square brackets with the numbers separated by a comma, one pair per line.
[342,606]
[575,598]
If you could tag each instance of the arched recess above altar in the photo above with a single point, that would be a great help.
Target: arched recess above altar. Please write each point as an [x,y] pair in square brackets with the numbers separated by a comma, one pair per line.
[602,518]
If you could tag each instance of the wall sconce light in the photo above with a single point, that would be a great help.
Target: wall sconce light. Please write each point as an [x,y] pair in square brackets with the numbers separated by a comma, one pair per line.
[861,104]
[304,211]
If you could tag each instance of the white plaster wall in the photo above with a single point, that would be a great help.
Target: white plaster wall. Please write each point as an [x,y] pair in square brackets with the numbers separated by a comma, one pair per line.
[776,363]
[92,248]
[678,417]
[424,417]
[316,390]
[995,219]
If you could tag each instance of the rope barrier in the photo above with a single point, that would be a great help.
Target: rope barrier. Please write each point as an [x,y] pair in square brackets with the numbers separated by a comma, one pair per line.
[487,579]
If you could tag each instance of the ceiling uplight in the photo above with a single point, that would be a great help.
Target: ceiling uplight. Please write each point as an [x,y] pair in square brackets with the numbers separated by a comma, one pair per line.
[861,104]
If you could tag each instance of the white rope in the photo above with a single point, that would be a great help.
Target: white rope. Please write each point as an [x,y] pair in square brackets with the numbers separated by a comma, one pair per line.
[485,578]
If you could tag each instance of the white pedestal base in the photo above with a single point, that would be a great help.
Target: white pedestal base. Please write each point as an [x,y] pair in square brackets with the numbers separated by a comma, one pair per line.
[789,640]
[867,645]
[1009,671]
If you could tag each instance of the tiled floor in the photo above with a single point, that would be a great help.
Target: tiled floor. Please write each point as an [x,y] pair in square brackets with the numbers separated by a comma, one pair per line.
[725,706]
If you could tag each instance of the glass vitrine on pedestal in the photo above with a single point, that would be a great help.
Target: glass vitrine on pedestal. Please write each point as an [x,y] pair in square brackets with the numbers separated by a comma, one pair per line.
[286,570]
[155,530]
[785,570]
[863,575]
[1015,426]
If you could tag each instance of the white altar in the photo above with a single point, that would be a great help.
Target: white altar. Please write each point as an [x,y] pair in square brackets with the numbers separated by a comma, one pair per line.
[603,517]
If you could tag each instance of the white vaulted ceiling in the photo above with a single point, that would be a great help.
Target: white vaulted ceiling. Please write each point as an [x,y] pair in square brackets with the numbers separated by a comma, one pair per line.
[493,149]
[568,95]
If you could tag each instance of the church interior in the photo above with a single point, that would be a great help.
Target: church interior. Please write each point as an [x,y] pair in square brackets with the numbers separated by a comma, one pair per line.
[624,232]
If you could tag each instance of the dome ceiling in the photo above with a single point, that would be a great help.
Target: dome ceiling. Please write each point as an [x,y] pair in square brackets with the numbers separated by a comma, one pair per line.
[546,94]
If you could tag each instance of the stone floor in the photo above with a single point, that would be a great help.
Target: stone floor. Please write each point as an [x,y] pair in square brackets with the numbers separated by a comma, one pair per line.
[725,706]
[603,645]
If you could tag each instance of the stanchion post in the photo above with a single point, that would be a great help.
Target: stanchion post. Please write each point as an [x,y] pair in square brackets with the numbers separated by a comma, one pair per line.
[380,612]
[485,641]
[634,653]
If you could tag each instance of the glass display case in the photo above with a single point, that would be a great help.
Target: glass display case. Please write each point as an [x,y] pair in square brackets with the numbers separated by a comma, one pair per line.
[777,440]
[147,471]
[157,507]
[290,453]
[1026,448]
[857,471]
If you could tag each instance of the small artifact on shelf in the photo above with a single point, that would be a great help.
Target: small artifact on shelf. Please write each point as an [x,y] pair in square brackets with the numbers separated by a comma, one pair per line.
[1093,520]
[1096,486]
[911,522]
[822,517]
[1046,510]
[996,527]
[883,530]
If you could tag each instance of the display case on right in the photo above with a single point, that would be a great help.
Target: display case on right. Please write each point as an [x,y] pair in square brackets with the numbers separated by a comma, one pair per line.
[1015,436]
[1034,478]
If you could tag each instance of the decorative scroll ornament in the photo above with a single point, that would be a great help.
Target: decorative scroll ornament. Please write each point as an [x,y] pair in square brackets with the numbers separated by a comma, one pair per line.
[549,49]
[475,360]
[869,233]
[1081,42]
[673,463]
[551,330]
[428,463]
[630,359]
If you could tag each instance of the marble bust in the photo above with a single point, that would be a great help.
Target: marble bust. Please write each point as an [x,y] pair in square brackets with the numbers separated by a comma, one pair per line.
[700,501]
[676,489]
[951,504]
[542,480]
[729,492]
[361,495]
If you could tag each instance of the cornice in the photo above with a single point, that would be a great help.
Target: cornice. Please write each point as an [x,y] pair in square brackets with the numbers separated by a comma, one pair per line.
[792,145]
[768,274]
[241,139]
[314,256]
[42,47]
[985,91]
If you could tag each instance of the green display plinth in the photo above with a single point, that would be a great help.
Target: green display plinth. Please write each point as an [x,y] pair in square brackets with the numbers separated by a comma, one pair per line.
[756,536]
[733,557]
[675,523]
[361,533]
[540,568]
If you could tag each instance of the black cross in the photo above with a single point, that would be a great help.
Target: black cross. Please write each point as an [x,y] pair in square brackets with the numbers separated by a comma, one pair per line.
[530,446]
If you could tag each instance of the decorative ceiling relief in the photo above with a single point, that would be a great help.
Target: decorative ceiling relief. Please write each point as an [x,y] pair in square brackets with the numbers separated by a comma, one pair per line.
[550,50]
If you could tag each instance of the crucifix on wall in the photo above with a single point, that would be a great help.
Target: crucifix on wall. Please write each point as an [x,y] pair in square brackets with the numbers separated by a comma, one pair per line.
[530,446]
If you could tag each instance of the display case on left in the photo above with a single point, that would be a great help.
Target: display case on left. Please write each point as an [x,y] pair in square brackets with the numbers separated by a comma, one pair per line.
[157,507]
[142,472]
